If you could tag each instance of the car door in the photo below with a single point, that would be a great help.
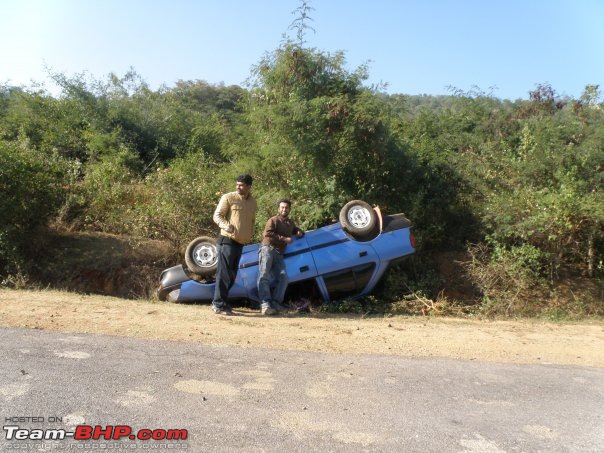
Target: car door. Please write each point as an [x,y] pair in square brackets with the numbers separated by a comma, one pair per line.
[344,266]
[299,260]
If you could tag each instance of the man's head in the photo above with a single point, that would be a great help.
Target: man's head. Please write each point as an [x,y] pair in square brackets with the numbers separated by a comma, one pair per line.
[283,207]
[244,184]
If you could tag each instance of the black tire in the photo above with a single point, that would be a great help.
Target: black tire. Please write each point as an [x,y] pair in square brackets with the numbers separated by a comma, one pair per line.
[161,294]
[201,256]
[169,295]
[358,218]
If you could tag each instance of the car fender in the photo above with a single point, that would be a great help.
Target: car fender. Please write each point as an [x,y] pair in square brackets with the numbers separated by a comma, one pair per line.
[171,280]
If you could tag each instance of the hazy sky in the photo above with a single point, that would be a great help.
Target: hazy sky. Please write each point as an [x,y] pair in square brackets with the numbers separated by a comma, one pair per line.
[415,46]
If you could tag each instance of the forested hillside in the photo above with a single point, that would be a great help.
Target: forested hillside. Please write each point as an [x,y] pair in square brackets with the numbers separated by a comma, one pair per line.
[513,186]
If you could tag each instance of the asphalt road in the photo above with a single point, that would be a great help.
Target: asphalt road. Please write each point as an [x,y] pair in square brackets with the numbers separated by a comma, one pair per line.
[245,399]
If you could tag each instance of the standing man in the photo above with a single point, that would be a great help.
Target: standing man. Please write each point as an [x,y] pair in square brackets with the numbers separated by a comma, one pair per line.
[235,215]
[277,234]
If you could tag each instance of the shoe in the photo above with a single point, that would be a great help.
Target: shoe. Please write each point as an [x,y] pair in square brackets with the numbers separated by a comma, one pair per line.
[222,311]
[267,310]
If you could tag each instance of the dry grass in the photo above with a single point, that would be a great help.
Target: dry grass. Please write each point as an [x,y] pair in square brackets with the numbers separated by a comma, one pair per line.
[495,341]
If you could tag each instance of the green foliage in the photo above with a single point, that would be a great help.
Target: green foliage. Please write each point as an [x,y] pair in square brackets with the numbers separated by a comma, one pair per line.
[343,306]
[202,97]
[321,134]
[179,201]
[109,189]
[434,190]
[547,194]
[523,179]
[32,188]
[510,279]
[300,23]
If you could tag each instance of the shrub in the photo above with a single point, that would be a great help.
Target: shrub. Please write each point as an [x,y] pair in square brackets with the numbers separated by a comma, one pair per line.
[179,201]
[109,189]
[31,184]
[510,279]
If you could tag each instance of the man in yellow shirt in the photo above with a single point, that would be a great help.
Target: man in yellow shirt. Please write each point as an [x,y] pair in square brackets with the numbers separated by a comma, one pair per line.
[236,216]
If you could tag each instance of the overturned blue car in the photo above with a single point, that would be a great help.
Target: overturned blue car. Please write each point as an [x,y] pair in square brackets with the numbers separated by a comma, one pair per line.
[343,260]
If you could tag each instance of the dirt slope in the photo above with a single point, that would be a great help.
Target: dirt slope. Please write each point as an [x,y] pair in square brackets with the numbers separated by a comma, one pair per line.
[495,341]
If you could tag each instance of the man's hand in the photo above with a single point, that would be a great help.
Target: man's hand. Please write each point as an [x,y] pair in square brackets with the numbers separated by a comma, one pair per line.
[230,229]
[288,240]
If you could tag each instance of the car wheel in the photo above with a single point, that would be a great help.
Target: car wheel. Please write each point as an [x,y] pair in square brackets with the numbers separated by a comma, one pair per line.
[170,295]
[201,256]
[358,218]
[161,294]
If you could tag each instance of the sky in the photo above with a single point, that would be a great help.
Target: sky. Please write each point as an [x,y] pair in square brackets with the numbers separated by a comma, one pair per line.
[501,47]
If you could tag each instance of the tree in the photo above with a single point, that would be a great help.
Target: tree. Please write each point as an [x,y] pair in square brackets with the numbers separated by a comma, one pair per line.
[300,23]
[320,133]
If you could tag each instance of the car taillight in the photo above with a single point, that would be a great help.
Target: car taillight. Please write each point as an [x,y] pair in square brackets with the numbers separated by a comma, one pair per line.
[412,240]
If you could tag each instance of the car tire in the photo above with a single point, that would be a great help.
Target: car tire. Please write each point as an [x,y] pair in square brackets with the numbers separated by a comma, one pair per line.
[161,294]
[358,218]
[201,256]
[169,295]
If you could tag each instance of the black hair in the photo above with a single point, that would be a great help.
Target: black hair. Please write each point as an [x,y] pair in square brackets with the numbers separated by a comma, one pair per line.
[246,179]
[284,200]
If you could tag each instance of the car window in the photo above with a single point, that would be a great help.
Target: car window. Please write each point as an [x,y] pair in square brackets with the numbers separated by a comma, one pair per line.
[348,282]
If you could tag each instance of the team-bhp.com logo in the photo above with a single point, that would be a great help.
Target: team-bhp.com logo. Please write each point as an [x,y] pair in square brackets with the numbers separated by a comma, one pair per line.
[86,432]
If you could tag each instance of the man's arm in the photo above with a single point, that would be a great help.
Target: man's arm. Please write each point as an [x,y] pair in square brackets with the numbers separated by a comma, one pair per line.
[220,215]
[298,231]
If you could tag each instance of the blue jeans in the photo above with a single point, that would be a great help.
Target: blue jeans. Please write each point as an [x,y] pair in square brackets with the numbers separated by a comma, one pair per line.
[271,263]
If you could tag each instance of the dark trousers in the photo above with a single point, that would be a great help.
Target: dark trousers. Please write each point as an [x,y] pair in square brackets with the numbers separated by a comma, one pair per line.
[229,254]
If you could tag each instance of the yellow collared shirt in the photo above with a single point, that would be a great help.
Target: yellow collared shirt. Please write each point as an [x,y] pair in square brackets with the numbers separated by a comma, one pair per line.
[240,212]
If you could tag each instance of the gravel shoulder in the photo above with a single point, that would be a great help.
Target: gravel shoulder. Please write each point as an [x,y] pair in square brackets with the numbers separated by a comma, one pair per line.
[524,341]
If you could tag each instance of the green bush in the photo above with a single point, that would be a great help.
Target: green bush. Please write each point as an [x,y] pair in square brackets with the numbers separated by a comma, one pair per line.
[109,189]
[511,279]
[179,201]
[32,188]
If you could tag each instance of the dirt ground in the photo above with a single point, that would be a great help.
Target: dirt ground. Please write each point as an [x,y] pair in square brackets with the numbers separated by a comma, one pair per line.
[527,341]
